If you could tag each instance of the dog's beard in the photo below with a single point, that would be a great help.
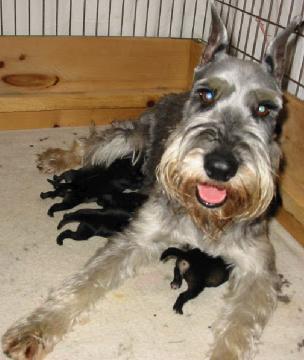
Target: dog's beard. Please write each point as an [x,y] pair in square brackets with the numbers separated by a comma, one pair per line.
[247,195]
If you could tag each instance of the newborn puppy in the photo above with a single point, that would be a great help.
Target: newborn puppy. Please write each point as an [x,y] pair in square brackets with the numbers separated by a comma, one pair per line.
[114,217]
[93,222]
[198,269]
[92,183]
[128,201]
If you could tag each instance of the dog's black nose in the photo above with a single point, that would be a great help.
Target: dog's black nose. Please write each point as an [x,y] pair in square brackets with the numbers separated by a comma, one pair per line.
[220,165]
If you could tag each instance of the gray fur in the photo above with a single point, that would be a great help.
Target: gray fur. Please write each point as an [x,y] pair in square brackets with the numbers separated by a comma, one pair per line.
[175,137]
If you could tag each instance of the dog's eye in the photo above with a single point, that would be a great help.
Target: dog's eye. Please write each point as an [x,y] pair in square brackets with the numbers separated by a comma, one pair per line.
[262,110]
[207,96]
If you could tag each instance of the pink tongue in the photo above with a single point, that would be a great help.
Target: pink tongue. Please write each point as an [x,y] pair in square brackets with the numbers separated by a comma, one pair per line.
[211,194]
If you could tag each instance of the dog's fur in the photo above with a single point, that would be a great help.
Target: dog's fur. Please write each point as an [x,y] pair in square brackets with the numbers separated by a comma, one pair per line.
[198,269]
[176,137]
[56,160]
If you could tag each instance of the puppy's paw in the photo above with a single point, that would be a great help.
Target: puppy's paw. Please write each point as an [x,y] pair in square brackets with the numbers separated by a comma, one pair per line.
[175,284]
[24,342]
[178,307]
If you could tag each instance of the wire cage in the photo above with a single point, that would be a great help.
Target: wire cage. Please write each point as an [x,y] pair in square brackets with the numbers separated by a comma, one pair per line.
[251,23]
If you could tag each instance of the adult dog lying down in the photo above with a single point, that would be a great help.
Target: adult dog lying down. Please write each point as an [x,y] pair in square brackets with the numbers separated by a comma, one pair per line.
[213,160]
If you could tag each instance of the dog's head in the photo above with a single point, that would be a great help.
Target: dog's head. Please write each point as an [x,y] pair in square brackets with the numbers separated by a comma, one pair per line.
[221,162]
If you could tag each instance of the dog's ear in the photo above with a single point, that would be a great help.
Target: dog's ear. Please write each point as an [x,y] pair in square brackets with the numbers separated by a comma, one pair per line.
[218,39]
[275,56]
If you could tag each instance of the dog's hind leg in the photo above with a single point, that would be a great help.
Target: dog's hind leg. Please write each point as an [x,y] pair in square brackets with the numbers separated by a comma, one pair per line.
[70,200]
[76,216]
[121,139]
[114,141]
[177,281]
[112,219]
[53,194]
[172,252]
[35,335]
[184,297]
[83,232]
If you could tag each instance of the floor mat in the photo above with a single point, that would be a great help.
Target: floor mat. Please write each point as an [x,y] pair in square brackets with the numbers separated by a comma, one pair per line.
[135,322]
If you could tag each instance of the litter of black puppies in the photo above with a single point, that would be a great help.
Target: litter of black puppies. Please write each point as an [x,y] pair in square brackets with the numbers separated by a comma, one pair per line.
[112,218]
[198,269]
[115,188]
[90,184]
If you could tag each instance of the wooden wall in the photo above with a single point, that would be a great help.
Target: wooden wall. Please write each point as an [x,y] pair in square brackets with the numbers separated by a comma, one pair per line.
[62,81]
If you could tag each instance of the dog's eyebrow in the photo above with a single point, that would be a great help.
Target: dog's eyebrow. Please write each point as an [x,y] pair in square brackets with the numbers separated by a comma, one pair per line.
[265,96]
[220,85]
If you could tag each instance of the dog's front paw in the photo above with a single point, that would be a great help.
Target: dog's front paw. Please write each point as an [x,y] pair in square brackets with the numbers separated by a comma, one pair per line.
[224,356]
[24,342]
[226,350]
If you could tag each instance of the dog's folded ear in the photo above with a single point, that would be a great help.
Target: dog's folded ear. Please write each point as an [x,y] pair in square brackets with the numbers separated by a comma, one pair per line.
[275,55]
[218,39]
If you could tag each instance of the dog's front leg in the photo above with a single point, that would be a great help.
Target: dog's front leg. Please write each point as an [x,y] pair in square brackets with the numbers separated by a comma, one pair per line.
[34,336]
[250,301]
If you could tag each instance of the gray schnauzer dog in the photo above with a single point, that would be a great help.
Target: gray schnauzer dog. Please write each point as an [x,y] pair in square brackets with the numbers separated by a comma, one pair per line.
[212,159]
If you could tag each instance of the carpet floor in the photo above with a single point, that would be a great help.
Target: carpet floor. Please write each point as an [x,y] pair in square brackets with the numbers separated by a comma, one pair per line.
[136,321]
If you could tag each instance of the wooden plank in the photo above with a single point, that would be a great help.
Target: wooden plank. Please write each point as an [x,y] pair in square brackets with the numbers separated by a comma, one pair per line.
[195,54]
[292,193]
[107,99]
[82,64]
[60,118]
[291,224]
[292,180]
[59,76]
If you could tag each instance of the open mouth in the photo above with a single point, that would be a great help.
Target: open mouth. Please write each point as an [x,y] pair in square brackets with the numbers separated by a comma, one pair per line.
[211,196]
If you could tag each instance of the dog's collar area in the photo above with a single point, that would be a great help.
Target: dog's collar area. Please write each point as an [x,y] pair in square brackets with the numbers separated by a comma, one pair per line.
[211,196]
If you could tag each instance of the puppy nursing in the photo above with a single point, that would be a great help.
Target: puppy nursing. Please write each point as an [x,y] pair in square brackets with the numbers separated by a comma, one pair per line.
[94,184]
[211,160]
[107,187]
[198,269]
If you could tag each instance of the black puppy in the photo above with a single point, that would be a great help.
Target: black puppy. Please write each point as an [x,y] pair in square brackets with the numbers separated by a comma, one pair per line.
[198,269]
[128,201]
[116,215]
[93,222]
[91,184]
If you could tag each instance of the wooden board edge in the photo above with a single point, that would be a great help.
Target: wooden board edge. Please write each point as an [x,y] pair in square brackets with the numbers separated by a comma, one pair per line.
[291,224]
[27,120]
[195,52]
[67,101]
[291,182]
